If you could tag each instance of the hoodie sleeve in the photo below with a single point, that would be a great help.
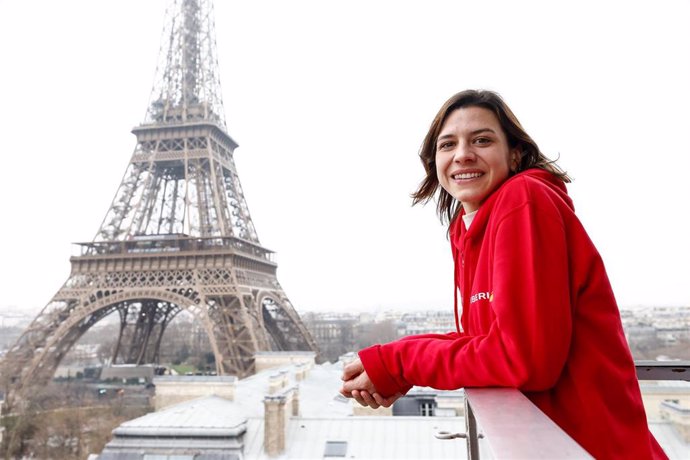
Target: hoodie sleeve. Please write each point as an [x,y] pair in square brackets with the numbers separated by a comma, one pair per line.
[385,382]
[527,343]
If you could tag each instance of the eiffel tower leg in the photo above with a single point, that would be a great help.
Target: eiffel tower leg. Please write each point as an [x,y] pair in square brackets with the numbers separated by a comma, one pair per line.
[152,317]
[165,313]
[283,323]
[236,335]
[145,324]
[38,352]
[122,312]
[168,316]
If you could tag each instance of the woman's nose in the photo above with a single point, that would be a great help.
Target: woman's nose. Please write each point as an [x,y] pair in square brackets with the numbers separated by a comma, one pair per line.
[463,153]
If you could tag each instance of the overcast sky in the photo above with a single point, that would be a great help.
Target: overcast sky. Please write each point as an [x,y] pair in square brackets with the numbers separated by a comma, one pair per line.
[329,102]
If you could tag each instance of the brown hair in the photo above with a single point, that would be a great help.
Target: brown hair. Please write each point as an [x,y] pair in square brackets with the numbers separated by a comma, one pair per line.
[447,206]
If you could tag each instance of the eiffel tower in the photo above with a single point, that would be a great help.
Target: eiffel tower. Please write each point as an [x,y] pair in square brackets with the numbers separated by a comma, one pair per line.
[177,237]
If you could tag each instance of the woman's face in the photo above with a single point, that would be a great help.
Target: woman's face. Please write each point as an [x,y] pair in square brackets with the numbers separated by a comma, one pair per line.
[472,156]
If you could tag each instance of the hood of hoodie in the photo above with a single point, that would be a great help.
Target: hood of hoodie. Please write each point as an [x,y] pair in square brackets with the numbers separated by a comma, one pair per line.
[457,227]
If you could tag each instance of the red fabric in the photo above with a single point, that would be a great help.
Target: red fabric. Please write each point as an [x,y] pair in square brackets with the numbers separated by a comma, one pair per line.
[538,314]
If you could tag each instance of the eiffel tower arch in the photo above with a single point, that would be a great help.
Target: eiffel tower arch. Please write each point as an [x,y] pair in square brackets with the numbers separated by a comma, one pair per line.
[177,237]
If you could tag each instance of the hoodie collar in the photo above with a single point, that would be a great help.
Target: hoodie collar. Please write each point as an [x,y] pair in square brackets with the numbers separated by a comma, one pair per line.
[458,231]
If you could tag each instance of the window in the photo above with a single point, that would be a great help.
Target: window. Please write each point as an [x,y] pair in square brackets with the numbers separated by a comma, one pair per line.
[335,449]
[426,409]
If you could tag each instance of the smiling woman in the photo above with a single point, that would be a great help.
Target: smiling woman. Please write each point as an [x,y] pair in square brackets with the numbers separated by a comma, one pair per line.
[485,123]
[538,311]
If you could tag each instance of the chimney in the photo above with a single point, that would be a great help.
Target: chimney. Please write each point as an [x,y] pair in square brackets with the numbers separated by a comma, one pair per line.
[300,371]
[277,382]
[295,402]
[275,424]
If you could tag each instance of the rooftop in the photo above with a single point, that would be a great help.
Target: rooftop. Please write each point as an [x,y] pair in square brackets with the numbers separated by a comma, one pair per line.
[326,423]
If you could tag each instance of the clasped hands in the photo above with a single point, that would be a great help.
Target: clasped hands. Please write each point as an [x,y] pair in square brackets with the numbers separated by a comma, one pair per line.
[357,385]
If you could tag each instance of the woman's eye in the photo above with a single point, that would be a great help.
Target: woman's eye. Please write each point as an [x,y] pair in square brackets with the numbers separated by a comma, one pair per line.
[445,145]
[482,140]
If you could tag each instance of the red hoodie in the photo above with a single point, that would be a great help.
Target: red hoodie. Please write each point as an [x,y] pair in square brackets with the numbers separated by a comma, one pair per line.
[538,314]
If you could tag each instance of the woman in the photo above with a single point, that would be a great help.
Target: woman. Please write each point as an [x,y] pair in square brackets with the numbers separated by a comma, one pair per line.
[538,312]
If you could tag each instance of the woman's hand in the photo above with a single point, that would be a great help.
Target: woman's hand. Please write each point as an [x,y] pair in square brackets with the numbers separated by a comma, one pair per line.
[374,400]
[359,386]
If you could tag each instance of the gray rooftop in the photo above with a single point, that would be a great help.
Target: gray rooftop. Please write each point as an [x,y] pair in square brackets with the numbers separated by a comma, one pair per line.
[371,437]
[209,416]
[325,424]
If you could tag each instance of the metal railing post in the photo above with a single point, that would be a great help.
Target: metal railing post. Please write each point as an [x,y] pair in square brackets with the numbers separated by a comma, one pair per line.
[471,431]
[663,370]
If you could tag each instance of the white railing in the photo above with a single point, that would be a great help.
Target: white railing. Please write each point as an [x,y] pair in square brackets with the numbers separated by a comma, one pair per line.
[513,427]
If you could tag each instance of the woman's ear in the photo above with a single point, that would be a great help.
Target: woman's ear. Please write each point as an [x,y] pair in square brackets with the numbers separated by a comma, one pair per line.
[515,157]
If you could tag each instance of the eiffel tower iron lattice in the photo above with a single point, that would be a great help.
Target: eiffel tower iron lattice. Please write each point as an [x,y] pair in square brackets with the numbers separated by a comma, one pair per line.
[177,237]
